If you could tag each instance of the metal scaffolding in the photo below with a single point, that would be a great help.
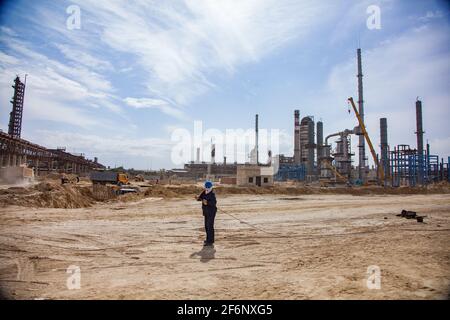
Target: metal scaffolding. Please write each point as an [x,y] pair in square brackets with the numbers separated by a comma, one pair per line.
[15,117]
[409,168]
[291,172]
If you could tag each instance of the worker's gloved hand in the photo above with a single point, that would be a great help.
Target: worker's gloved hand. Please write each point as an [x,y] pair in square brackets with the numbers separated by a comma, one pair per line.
[205,202]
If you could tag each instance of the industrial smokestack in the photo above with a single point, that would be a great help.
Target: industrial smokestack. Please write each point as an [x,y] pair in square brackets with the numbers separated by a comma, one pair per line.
[362,143]
[213,153]
[319,140]
[419,133]
[198,155]
[384,146]
[256,139]
[297,153]
[311,146]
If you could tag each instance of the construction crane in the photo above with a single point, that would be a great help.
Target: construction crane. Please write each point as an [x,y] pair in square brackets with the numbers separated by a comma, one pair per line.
[366,135]
[336,172]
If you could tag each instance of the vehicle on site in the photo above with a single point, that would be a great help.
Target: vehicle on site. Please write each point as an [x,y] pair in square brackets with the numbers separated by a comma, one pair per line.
[69,178]
[109,177]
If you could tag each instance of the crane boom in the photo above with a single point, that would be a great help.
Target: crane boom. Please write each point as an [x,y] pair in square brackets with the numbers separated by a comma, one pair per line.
[369,142]
[336,172]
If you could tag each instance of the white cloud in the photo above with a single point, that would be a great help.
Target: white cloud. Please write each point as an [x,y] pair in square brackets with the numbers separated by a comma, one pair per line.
[109,147]
[178,47]
[7,31]
[182,44]
[84,58]
[430,15]
[60,91]
[148,103]
[6,59]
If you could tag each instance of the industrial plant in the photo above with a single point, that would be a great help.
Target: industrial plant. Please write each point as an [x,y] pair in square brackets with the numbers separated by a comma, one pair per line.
[327,159]
[105,192]
[330,161]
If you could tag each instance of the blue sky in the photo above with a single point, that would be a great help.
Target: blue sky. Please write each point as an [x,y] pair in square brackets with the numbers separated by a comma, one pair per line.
[136,70]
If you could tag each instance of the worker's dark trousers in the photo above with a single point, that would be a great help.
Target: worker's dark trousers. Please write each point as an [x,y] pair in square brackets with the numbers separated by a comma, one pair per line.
[209,226]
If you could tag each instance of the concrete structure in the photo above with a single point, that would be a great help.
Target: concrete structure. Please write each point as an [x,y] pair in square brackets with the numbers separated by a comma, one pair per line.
[198,170]
[16,152]
[307,144]
[253,175]
[17,174]
[228,180]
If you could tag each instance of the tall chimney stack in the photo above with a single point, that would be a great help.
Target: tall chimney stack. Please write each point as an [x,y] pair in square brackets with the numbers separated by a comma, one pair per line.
[384,146]
[419,134]
[362,143]
[256,139]
[297,154]
[213,153]
[319,140]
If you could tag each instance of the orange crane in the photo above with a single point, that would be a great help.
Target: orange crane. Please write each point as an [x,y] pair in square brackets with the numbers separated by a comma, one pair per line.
[366,135]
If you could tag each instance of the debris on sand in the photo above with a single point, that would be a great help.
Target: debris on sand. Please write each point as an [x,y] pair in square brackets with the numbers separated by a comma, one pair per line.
[410,215]
[407,214]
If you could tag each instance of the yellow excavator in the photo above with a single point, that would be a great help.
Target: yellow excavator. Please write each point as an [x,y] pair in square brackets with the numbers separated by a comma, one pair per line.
[369,142]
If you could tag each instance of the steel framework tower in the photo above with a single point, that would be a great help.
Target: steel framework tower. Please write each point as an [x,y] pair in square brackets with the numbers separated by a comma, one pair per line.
[15,117]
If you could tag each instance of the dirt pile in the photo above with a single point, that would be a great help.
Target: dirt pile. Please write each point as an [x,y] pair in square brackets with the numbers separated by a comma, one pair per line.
[48,194]
[51,194]
[186,190]
[172,191]
[443,188]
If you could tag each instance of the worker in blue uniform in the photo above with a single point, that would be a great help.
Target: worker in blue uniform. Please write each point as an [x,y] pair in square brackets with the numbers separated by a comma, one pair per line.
[209,208]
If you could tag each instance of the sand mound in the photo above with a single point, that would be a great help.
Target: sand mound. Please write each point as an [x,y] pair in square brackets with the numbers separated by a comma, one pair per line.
[172,191]
[181,191]
[51,194]
[48,194]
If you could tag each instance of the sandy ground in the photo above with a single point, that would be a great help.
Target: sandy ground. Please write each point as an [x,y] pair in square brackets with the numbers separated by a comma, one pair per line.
[311,247]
